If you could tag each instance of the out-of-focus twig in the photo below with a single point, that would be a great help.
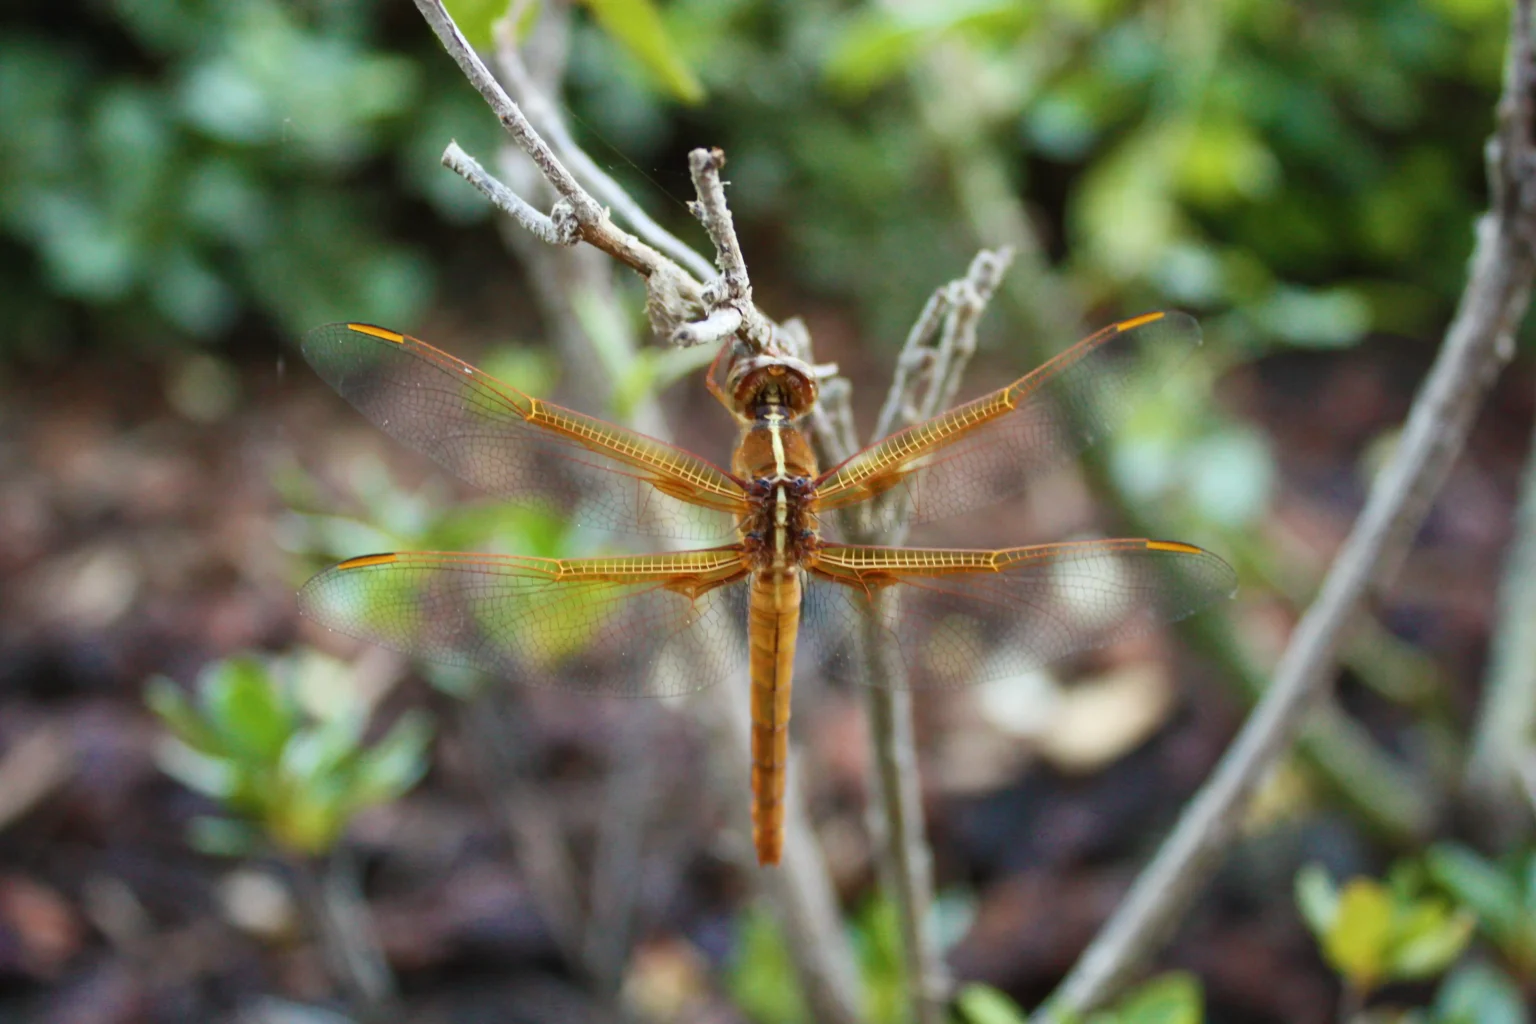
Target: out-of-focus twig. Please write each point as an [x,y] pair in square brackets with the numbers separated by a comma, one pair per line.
[928,371]
[330,896]
[552,126]
[1048,310]
[1478,342]
[40,762]
[1504,735]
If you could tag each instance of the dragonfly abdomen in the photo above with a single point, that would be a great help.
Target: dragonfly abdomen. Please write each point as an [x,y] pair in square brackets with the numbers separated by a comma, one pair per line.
[773,624]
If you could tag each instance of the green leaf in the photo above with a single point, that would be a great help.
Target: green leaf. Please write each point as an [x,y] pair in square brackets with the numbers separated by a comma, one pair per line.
[761,977]
[878,939]
[1438,943]
[475,18]
[1481,887]
[207,773]
[172,707]
[1173,998]
[316,755]
[394,764]
[243,704]
[1315,318]
[982,1004]
[874,48]
[637,26]
[1479,994]
[877,45]
[1318,898]
[1356,944]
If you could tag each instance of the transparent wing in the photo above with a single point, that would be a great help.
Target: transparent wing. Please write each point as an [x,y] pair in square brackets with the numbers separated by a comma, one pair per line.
[964,617]
[503,441]
[629,626]
[983,451]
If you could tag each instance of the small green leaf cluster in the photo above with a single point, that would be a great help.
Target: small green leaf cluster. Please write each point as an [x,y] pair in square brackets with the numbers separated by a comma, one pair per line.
[762,980]
[1501,895]
[1373,933]
[281,746]
[1173,998]
[175,165]
[1417,925]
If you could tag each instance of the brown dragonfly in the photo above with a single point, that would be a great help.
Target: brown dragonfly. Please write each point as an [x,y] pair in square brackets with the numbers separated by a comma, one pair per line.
[670,623]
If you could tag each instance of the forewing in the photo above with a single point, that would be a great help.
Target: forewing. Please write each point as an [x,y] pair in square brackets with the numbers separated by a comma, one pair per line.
[984,451]
[629,626]
[510,444]
[960,617]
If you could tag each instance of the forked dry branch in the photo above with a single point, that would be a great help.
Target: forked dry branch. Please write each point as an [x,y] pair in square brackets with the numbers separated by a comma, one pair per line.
[683,310]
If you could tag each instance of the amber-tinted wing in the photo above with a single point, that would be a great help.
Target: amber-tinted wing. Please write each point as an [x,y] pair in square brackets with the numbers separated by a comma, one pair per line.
[964,617]
[510,444]
[629,626]
[983,451]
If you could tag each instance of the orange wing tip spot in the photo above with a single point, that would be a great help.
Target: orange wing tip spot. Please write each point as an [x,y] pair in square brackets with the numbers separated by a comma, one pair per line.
[377,332]
[1174,546]
[1131,325]
[365,561]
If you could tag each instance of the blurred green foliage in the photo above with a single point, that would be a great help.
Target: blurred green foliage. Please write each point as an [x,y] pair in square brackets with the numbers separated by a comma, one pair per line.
[1372,933]
[762,980]
[1173,998]
[1417,925]
[174,164]
[169,164]
[1502,895]
[280,745]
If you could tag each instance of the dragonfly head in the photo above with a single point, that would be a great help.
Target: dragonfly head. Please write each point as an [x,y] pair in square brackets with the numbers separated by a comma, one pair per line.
[756,381]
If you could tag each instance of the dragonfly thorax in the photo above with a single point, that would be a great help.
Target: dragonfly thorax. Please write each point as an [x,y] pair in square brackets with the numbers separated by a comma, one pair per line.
[776,461]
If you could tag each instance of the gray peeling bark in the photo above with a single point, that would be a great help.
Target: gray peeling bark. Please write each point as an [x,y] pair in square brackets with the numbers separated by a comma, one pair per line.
[1478,343]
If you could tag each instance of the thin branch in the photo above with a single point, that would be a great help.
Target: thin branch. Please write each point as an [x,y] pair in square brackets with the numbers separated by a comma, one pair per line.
[549,122]
[330,896]
[1478,343]
[672,290]
[616,877]
[928,372]
[1505,732]
[732,290]
[585,208]
[559,227]
[530,820]
[714,329]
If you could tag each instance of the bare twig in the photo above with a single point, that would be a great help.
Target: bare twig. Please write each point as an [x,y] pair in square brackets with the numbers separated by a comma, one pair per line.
[529,819]
[330,895]
[1505,733]
[928,372]
[616,871]
[802,891]
[586,209]
[1478,343]
[732,290]
[559,227]
[549,122]
[674,294]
